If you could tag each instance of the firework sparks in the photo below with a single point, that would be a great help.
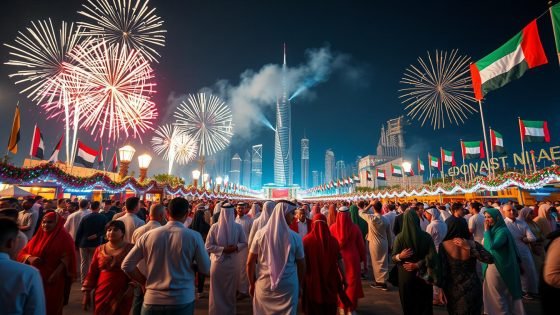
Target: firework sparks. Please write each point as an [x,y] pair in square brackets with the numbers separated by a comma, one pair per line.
[438,89]
[129,23]
[208,119]
[185,148]
[120,85]
[174,144]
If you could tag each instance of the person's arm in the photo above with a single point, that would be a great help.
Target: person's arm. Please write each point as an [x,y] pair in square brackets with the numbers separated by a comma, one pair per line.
[35,302]
[472,223]
[79,234]
[201,256]
[300,264]
[551,271]
[242,239]
[529,236]
[252,235]
[250,267]
[131,261]
[211,242]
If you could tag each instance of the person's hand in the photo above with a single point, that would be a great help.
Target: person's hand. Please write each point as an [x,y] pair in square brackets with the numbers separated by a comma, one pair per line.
[461,242]
[86,300]
[252,289]
[408,266]
[34,261]
[406,253]
[92,237]
[486,225]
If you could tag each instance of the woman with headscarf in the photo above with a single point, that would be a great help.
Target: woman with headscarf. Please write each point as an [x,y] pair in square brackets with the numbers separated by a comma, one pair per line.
[255,211]
[545,221]
[501,291]
[352,249]
[460,281]
[261,221]
[316,209]
[279,252]
[323,272]
[51,251]
[113,292]
[417,265]
[200,225]
[437,230]
[355,216]
[225,240]
[331,217]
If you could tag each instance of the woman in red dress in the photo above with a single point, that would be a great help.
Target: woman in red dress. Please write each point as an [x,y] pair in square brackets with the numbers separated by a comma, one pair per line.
[352,249]
[113,289]
[51,251]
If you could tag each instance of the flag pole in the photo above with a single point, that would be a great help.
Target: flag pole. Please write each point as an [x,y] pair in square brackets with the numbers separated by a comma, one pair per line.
[430,168]
[522,148]
[485,138]
[442,156]
[554,30]
[463,156]
[491,146]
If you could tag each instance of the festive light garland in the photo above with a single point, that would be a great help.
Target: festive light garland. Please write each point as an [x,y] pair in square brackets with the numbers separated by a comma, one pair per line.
[49,172]
[511,179]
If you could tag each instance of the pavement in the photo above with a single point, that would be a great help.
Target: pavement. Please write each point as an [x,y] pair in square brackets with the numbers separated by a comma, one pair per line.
[375,302]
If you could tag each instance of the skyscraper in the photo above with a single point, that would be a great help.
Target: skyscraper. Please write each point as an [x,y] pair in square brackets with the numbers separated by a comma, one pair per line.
[340,169]
[283,164]
[235,172]
[329,166]
[315,178]
[304,163]
[256,167]
[246,180]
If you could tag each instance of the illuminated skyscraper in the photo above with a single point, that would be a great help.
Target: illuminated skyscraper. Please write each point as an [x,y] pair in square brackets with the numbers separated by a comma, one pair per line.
[340,170]
[246,178]
[315,177]
[235,173]
[283,164]
[329,166]
[256,167]
[304,163]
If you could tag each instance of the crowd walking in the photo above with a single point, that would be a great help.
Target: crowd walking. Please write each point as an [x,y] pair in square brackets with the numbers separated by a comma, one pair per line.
[471,258]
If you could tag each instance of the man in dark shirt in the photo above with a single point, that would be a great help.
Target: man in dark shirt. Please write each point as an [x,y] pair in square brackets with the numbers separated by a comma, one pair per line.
[89,236]
[107,210]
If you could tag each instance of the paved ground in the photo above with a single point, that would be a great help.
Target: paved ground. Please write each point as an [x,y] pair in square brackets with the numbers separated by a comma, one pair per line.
[375,302]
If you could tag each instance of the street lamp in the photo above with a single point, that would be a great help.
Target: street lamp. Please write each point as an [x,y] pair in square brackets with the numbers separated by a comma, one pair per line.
[144,161]
[125,155]
[195,176]
[218,183]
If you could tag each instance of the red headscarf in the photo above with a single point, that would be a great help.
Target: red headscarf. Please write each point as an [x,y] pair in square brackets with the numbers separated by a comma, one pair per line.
[316,209]
[343,226]
[321,256]
[332,215]
[54,243]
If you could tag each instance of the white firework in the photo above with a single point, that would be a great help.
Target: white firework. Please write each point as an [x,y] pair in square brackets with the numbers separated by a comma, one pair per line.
[439,89]
[126,22]
[185,148]
[208,119]
[174,144]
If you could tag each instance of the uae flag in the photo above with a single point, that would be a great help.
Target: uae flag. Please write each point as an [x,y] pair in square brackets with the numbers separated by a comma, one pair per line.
[555,14]
[410,172]
[54,155]
[434,162]
[356,178]
[420,167]
[509,62]
[381,174]
[534,130]
[497,141]
[448,157]
[473,149]
[86,155]
[37,144]
[114,163]
[396,170]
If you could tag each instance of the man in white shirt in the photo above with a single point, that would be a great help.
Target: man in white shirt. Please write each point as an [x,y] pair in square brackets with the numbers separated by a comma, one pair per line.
[522,237]
[246,223]
[476,222]
[27,219]
[130,219]
[21,288]
[169,252]
[156,218]
[379,240]
[74,219]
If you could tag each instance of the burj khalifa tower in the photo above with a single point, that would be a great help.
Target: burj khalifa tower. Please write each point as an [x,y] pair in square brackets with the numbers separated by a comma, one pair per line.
[283,164]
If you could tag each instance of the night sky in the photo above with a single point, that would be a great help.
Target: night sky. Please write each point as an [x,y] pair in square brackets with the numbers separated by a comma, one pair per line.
[208,41]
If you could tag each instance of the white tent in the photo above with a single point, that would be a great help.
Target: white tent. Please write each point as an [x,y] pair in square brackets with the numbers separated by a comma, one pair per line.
[15,191]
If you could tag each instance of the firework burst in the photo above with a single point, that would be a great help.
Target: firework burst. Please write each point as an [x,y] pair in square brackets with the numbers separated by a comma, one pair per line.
[438,89]
[208,119]
[174,144]
[120,86]
[185,148]
[129,23]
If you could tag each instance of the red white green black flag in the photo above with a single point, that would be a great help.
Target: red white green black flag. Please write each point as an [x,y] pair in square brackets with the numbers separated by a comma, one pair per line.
[473,149]
[534,130]
[509,62]
[448,157]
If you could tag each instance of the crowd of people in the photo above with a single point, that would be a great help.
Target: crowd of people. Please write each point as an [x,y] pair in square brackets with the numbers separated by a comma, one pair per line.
[286,256]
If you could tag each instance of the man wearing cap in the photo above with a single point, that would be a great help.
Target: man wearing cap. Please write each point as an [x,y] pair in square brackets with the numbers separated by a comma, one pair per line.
[246,223]
[224,242]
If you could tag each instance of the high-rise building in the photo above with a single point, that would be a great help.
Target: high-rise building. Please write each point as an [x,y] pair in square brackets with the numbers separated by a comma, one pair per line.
[283,164]
[304,163]
[256,167]
[329,166]
[340,169]
[235,171]
[246,179]
[315,178]
[391,142]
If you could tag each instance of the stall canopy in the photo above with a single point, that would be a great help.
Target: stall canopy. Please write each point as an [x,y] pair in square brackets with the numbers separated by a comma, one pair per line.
[15,191]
